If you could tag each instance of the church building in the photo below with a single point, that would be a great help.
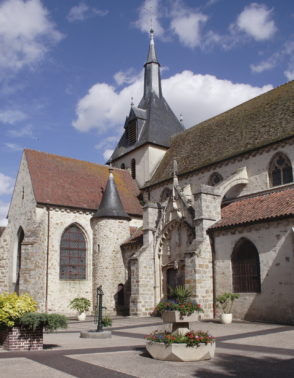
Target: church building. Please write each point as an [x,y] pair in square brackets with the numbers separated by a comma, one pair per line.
[210,207]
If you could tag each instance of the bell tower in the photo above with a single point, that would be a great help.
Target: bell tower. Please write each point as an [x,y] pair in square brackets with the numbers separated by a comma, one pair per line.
[148,127]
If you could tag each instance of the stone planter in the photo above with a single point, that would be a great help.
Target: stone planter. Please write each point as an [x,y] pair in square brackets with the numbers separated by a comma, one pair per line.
[226,318]
[82,316]
[180,352]
[175,317]
[16,338]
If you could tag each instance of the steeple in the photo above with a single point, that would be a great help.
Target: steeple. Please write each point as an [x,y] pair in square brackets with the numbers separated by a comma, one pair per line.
[111,206]
[152,80]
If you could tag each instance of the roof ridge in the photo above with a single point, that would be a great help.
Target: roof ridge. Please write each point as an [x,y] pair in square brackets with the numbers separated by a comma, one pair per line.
[71,158]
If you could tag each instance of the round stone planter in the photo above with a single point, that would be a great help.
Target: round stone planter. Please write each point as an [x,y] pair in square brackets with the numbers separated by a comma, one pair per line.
[175,317]
[180,352]
[226,318]
[82,316]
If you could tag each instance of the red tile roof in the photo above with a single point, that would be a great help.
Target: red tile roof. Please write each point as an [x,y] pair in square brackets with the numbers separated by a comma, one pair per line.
[136,237]
[64,181]
[278,204]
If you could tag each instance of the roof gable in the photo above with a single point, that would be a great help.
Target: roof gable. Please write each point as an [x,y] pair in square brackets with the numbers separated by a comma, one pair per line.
[68,182]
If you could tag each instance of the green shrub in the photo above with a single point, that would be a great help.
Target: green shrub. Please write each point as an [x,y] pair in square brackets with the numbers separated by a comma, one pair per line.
[225,301]
[50,322]
[13,307]
[80,304]
[106,321]
[180,293]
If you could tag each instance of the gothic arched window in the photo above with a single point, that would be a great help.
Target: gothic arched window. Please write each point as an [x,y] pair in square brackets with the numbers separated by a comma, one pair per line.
[73,254]
[280,170]
[214,179]
[123,166]
[245,267]
[133,168]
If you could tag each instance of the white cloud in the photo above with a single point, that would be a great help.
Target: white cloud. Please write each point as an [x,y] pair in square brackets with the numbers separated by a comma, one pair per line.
[26,33]
[186,24]
[256,21]
[82,11]
[6,184]
[147,12]
[126,77]
[197,97]
[289,74]
[107,153]
[24,131]
[105,142]
[11,116]
[14,146]
[3,213]
[283,55]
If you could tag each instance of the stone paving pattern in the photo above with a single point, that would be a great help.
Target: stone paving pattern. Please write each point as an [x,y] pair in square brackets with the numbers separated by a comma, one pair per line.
[243,349]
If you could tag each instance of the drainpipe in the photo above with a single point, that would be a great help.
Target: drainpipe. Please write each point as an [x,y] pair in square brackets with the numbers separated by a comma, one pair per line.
[47,258]
[211,237]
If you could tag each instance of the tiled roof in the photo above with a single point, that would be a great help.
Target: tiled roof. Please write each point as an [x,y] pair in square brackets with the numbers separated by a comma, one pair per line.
[2,230]
[63,181]
[263,120]
[270,206]
[136,237]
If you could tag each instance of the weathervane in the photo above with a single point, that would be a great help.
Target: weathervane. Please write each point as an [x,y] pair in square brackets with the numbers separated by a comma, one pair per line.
[181,118]
[132,101]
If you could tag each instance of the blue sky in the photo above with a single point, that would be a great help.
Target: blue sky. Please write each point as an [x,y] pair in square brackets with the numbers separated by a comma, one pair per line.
[69,68]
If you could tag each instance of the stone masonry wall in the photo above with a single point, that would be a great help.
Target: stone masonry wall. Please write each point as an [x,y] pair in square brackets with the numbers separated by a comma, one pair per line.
[108,265]
[61,292]
[274,242]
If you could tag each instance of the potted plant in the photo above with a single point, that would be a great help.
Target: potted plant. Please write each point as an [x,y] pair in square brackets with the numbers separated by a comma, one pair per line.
[193,346]
[180,308]
[225,302]
[106,321]
[21,327]
[81,305]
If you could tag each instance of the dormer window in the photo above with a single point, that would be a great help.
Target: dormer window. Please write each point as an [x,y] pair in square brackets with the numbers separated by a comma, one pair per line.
[132,132]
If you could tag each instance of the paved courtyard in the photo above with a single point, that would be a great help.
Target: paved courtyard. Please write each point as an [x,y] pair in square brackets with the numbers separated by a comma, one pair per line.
[243,350]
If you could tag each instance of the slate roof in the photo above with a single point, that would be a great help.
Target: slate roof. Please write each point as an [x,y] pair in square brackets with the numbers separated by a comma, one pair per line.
[110,205]
[2,230]
[158,127]
[266,207]
[68,182]
[263,120]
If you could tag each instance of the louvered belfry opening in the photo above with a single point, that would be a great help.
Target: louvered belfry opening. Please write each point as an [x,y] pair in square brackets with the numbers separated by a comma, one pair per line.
[132,132]
[73,254]
[246,268]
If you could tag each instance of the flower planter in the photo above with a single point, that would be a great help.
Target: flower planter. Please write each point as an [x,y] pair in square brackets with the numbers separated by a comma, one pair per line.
[82,316]
[180,352]
[16,338]
[226,318]
[175,317]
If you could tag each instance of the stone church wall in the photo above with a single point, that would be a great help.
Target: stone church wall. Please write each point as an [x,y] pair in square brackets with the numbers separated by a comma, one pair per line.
[274,242]
[257,164]
[61,292]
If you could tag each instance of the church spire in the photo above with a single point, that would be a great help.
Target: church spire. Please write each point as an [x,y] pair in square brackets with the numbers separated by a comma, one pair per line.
[152,80]
[111,206]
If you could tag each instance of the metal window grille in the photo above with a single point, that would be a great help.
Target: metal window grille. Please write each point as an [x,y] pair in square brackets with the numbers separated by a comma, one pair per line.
[246,268]
[73,254]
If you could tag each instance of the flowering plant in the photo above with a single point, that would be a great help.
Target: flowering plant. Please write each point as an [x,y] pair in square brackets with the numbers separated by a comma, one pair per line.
[191,338]
[185,308]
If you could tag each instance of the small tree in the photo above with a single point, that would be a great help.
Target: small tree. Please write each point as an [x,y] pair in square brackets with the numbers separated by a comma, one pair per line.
[80,304]
[225,301]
